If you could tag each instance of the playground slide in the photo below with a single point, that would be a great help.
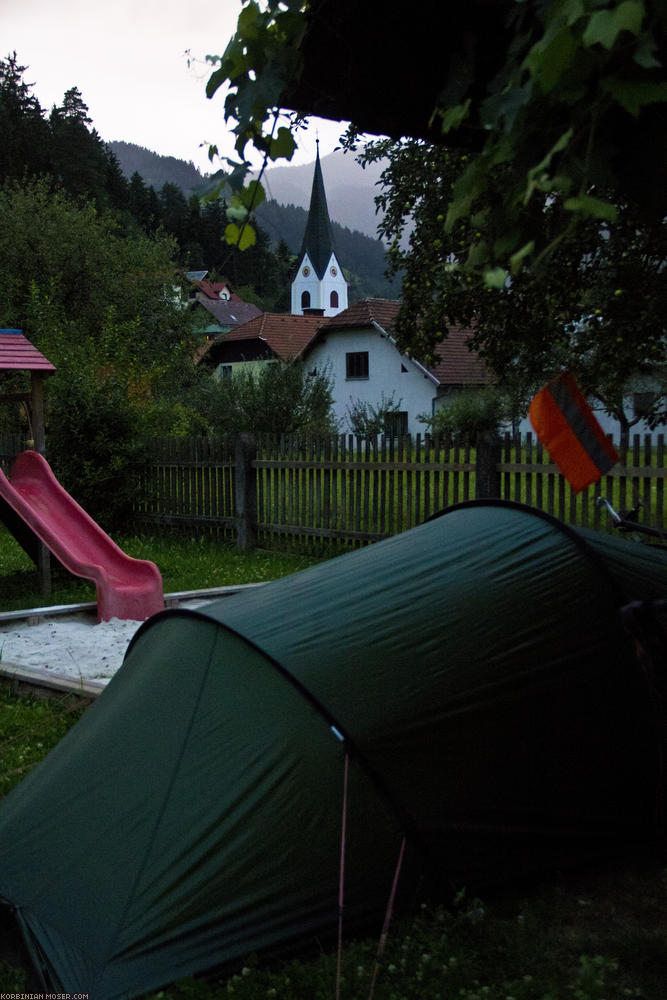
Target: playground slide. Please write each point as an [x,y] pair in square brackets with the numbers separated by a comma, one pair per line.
[126,587]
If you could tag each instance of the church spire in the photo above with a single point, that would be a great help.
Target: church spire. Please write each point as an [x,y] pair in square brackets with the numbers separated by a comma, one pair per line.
[318,237]
[319,282]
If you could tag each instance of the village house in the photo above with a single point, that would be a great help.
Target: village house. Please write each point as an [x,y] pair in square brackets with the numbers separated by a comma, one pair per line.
[353,344]
[215,307]
[358,351]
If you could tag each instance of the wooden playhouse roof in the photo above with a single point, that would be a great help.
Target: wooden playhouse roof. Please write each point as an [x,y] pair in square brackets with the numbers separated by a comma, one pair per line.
[18,354]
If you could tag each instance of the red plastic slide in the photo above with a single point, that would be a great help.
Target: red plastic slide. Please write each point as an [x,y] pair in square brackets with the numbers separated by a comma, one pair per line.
[126,587]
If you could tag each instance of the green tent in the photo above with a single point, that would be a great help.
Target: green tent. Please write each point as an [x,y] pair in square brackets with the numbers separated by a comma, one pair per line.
[477,674]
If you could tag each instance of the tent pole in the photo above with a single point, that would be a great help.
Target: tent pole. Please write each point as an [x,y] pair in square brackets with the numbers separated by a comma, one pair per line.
[387,920]
[341,878]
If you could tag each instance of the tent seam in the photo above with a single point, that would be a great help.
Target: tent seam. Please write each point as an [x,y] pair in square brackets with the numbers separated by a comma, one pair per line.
[158,820]
[405,821]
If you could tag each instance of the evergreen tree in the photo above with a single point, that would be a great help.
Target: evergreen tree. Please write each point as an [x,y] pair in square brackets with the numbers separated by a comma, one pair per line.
[174,212]
[213,222]
[143,203]
[25,134]
[78,160]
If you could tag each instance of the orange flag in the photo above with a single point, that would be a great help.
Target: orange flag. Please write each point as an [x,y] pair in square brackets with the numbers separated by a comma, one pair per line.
[566,426]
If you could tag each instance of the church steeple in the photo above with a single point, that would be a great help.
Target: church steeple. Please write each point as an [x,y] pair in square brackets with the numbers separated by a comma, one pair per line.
[319,282]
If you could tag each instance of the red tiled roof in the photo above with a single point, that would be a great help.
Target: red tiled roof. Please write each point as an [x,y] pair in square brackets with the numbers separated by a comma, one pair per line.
[18,354]
[212,289]
[457,364]
[285,334]
[365,313]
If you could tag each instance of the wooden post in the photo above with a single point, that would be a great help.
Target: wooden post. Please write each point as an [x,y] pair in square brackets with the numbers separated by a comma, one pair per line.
[245,491]
[487,479]
[39,444]
[37,394]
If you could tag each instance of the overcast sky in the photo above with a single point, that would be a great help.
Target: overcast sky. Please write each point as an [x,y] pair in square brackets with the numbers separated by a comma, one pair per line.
[129,60]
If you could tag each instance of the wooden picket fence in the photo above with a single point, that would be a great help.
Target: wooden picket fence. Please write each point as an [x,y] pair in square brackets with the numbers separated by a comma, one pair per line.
[343,491]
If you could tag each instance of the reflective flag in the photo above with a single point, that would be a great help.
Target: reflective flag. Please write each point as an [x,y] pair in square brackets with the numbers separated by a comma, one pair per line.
[566,426]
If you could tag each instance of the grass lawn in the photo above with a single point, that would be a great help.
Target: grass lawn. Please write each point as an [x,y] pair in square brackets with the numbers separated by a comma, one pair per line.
[595,935]
[185,564]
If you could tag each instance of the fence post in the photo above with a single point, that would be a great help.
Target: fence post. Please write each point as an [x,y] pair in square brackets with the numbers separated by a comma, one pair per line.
[487,479]
[245,491]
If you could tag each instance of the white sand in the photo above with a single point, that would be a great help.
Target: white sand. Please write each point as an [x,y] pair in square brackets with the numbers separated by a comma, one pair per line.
[68,648]
[78,648]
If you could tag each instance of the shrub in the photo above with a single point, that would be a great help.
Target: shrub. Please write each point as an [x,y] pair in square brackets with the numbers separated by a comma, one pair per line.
[469,413]
[276,398]
[368,421]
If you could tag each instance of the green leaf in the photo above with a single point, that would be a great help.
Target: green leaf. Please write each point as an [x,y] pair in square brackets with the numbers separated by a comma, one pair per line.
[249,20]
[517,259]
[232,233]
[634,94]
[505,243]
[452,117]
[495,277]
[645,53]
[572,10]
[282,145]
[477,254]
[242,237]
[251,196]
[215,81]
[501,109]
[590,207]
[605,26]
[537,177]
[549,58]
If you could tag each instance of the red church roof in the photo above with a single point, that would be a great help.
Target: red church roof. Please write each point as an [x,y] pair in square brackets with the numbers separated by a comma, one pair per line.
[18,354]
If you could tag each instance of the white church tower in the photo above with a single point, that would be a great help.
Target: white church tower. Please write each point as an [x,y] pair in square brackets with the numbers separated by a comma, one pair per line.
[319,283]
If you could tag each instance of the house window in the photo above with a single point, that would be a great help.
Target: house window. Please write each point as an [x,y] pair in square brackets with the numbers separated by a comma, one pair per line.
[356,364]
[396,424]
[225,371]
[333,300]
[305,300]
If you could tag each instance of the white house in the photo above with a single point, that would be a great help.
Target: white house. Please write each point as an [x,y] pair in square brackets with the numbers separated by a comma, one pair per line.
[358,351]
[354,344]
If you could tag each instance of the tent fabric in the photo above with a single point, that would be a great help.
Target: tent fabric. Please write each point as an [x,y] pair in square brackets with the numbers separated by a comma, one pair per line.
[485,689]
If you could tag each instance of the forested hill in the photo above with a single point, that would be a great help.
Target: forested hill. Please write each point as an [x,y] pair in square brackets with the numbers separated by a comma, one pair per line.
[350,188]
[155,169]
[142,191]
[360,254]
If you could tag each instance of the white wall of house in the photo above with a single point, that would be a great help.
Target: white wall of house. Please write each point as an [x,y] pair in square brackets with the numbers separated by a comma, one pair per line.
[388,372]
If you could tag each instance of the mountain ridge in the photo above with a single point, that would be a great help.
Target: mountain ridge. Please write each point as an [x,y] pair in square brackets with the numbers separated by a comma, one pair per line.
[350,188]
[283,215]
